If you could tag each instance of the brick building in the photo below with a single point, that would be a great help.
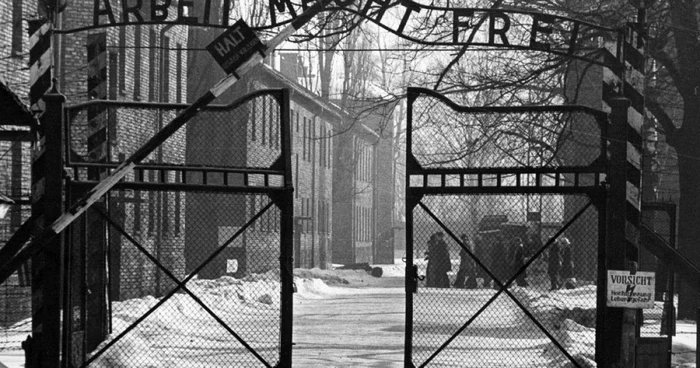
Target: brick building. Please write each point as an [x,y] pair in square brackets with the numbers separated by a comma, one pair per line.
[144,64]
[343,170]
[338,208]
[314,145]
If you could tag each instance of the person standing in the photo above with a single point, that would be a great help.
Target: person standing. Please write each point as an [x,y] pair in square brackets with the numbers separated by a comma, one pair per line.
[466,277]
[500,261]
[438,262]
[482,253]
[567,264]
[554,264]
[518,252]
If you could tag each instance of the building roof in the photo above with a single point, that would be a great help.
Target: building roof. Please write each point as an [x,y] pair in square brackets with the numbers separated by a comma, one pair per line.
[304,93]
[322,107]
[12,110]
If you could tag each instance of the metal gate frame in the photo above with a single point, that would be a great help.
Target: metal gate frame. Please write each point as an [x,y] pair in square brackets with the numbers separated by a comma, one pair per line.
[596,192]
[280,195]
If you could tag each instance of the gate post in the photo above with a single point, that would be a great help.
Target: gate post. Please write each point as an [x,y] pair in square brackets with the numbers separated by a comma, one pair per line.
[287,236]
[620,324]
[47,203]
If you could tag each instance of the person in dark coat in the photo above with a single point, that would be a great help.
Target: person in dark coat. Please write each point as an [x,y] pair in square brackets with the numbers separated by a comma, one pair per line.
[533,243]
[554,264]
[438,262]
[466,277]
[500,262]
[518,261]
[567,265]
[482,253]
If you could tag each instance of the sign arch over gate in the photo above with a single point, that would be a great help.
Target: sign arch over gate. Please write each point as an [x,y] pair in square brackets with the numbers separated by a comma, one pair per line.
[490,27]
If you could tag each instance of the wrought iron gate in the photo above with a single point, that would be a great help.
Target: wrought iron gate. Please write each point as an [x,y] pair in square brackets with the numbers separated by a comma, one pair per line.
[497,199]
[187,262]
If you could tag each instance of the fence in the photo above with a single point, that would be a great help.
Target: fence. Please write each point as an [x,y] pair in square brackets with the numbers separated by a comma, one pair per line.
[505,227]
[186,260]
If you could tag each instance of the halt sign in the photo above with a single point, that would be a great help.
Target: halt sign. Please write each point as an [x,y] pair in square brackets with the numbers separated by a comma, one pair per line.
[629,290]
[236,45]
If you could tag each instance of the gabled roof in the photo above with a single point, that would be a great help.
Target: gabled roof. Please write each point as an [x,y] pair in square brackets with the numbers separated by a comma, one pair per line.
[12,110]
[324,106]
[301,91]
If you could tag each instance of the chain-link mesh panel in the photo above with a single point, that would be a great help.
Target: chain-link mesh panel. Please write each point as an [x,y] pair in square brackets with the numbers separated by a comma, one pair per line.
[546,317]
[215,134]
[15,292]
[137,123]
[659,320]
[225,247]
[443,137]
[211,138]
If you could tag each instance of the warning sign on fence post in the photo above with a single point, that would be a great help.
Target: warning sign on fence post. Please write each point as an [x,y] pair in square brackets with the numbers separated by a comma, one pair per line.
[627,290]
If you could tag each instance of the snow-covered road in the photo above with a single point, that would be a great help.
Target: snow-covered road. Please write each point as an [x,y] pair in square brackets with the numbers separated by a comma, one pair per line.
[347,318]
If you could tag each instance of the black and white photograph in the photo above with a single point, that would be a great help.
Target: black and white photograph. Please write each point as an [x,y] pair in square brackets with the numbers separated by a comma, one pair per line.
[349,183]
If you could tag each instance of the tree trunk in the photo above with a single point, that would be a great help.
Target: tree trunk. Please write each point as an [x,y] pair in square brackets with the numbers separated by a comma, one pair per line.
[688,150]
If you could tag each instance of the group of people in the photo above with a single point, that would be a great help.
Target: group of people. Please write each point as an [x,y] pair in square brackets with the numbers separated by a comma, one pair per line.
[560,266]
[439,263]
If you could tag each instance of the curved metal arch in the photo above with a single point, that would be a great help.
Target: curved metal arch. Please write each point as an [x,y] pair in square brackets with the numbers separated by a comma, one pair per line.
[413,92]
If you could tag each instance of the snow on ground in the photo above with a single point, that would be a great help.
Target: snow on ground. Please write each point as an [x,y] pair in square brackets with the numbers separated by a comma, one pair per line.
[181,322]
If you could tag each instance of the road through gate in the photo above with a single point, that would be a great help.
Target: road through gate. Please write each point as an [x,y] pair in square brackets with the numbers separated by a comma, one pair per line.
[182,263]
[509,189]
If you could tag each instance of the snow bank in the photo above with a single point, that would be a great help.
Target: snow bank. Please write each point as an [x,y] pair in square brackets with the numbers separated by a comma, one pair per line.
[569,315]
[394,270]
[684,345]
[553,308]
[255,297]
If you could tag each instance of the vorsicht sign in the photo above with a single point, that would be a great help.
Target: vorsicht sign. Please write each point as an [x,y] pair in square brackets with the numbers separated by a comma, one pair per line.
[629,290]
[235,46]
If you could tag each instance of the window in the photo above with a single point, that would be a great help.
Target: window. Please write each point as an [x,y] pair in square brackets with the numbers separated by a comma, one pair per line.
[324,217]
[250,202]
[330,148]
[122,60]
[137,63]
[271,126]
[112,77]
[17,36]
[303,140]
[179,80]
[312,141]
[166,213]
[354,223]
[296,176]
[256,205]
[152,59]
[307,214]
[137,211]
[166,69]
[151,204]
[296,114]
[253,119]
[178,208]
[322,148]
[262,121]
